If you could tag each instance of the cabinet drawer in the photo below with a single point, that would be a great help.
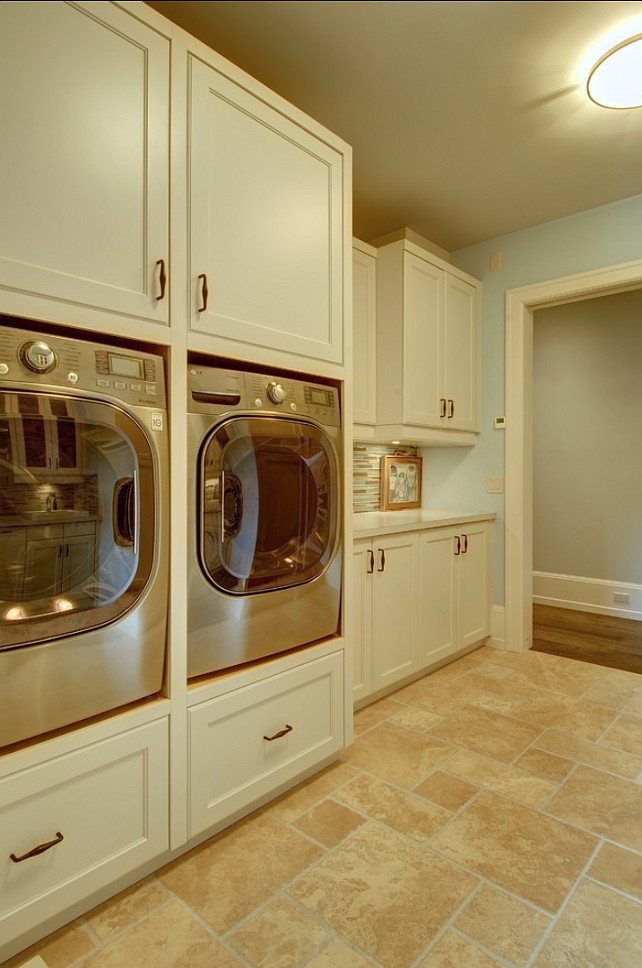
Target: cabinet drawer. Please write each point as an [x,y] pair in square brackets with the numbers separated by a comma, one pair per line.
[109,803]
[232,763]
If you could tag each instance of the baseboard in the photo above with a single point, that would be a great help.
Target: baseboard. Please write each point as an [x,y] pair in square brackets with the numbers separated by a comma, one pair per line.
[497,638]
[587,594]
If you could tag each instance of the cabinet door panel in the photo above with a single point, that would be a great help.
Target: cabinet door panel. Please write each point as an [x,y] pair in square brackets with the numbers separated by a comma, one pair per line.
[395,608]
[423,350]
[364,336]
[266,223]
[474,584]
[438,594]
[93,160]
[460,353]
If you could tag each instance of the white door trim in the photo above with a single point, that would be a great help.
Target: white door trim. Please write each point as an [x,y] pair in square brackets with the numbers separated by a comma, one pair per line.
[520,305]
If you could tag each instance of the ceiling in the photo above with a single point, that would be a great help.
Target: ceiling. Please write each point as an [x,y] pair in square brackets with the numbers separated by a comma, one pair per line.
[467,119]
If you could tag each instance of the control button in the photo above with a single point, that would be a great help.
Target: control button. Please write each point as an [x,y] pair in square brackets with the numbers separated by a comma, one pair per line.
[4,369]
[258,402]
[72,377]
[276,392]
[150,389]
[136,387]
[37,356]
[293,406]
[102,383]
[120,385]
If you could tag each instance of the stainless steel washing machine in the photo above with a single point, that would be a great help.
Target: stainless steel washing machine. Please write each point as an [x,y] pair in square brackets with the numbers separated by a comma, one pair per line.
[83,529]
[265,556]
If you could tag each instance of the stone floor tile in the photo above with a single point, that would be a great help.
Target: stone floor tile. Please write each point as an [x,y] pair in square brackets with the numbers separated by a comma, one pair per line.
[405,812]
[375,713]
[590,754]
[279,936]
[398,755]
[386,895]
[338,954]
[126,908]
[517,848]
[626,735]
[503,924]
[582,719]
[329,822]
[606,805]
[509,781]
[484,731]
[60,949]
[612,939]
[304,796]
[448,791]
[169,938]
[226,878]
[546,765]
[412,717]
[452,951]
[619,868]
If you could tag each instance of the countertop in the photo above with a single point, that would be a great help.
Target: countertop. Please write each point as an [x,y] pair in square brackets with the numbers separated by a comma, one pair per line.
[367,524]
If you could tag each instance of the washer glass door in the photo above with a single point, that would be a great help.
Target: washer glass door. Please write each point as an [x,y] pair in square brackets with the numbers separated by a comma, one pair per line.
[268,503]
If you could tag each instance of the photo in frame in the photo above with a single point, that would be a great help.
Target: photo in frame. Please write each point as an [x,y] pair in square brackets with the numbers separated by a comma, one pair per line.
[400,483]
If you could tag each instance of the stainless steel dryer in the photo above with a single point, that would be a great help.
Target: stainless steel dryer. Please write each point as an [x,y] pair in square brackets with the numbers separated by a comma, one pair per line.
[83,529]
[264,515]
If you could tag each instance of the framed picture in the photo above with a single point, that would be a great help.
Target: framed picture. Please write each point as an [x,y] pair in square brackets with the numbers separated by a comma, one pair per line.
[400,483]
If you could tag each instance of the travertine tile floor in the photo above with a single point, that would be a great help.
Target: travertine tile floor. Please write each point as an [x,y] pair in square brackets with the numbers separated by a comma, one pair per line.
[487,815]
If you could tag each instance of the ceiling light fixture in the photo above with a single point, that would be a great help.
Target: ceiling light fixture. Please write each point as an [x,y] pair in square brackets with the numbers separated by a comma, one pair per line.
[615,81]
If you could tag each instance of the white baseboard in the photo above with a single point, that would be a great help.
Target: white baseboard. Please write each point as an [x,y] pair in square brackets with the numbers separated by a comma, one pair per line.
[497,638]
[587,594]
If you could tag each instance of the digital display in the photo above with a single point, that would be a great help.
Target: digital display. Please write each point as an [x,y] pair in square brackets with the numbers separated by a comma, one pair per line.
[125,366]
[322,398]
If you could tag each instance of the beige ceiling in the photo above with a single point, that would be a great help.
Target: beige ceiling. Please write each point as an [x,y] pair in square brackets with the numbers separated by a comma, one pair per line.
[466,119]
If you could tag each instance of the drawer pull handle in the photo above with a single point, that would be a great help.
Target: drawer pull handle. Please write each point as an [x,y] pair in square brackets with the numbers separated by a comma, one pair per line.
[162,278]
[281,732]
[40,849]
[204,292]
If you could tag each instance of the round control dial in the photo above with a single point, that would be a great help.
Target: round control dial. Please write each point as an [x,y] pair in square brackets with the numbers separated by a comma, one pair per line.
[276,392]
[37,356]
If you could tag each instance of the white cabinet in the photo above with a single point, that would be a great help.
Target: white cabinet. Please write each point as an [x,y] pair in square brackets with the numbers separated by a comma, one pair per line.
[364,335]
[59,557]
[85,182]
[387,614]
[427,347]
[266,222]
[71,825]
[456,580]
[246,743]
[420,597]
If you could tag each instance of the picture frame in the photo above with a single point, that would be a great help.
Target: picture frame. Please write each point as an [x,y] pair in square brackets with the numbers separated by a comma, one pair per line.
[400,482]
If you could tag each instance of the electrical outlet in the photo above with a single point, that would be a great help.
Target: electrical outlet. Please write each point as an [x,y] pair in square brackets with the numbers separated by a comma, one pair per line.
[623,597]
[494,485]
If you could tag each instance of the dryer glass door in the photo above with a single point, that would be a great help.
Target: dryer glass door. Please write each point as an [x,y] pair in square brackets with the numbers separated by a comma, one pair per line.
[269,504]
[74,552]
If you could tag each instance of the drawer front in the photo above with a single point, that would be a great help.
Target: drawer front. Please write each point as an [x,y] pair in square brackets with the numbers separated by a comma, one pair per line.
[106,805]
[247,743]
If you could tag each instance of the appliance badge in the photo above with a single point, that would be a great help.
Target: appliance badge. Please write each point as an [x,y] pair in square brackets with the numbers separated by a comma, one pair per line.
[157,421]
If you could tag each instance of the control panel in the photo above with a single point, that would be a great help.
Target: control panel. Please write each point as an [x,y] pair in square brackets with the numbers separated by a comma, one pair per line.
[55,362]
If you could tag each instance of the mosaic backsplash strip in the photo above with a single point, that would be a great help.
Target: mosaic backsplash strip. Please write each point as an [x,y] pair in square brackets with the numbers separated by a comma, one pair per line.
[81,495]
[366,469]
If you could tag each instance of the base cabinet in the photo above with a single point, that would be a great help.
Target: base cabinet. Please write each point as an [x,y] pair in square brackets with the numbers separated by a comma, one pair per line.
[75,823]
[387,585]
[420,597]
[247,743]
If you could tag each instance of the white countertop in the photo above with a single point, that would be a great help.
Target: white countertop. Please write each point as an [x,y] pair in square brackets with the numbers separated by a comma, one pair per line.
[366,524]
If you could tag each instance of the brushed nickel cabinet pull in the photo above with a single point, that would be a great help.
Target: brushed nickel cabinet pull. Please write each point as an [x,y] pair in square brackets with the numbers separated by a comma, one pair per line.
[370,561]
[282,732]
[40,849]
[204,292]
[442,406]
[162,278]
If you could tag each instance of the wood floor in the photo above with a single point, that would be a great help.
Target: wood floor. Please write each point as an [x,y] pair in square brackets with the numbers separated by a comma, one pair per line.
[589,637]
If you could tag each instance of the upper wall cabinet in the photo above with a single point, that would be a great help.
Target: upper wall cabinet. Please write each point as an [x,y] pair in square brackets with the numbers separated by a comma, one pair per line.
[266,221]
[84,115]
[427,347]
[364,334]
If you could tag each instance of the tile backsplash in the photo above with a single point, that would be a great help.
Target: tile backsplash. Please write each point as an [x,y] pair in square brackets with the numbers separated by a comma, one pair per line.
[366,469]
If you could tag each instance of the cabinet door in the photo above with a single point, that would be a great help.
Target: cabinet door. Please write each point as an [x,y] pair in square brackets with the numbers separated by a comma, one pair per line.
[266,223]
[475,575]
[84,114]
[423,347]
[78,560]
[43,567]
[438,594]
[460,354]
[364,334]
[395,607]
[363,560]
[13,543]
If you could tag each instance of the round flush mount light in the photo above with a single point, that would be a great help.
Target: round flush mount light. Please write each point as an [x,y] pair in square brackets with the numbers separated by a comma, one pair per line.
[616,79]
